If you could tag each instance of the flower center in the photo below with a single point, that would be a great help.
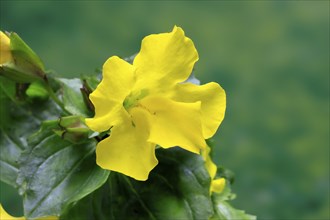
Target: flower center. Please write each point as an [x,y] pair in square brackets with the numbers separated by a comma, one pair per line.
[133,98]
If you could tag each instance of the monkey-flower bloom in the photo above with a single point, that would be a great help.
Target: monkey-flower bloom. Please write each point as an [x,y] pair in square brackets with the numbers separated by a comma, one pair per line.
[148,103]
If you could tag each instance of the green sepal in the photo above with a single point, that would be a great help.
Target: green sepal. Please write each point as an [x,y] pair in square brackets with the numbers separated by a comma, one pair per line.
[72,121]
[26,66]
[73,129]
[12,72]
[24,56]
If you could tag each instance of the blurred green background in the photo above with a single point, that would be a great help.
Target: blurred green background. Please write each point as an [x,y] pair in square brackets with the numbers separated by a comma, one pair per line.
[271,57]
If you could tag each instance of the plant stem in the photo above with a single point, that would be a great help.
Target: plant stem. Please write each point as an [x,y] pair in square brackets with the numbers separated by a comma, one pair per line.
[54,97]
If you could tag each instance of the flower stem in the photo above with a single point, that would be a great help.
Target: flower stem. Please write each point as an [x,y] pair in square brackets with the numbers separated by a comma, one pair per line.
[54,97]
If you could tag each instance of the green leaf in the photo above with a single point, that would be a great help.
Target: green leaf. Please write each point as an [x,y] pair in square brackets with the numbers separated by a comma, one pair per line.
[95,206]
[72,97]
[55,173]
[178,188]
[17,122]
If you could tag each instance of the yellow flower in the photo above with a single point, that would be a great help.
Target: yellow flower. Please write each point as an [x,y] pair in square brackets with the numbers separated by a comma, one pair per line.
[217,185]
[5,216]
[5,52]
[148,103]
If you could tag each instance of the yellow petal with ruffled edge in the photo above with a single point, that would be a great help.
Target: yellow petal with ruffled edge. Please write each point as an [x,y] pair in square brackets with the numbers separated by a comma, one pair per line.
[108,97]
[217,185]
[213,99]
[5,52]
[126,150]
[209,165]
[164,60]
[174,123]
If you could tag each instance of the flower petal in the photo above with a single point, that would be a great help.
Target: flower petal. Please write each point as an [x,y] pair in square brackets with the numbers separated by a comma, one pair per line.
[165,59]
[108,97]
[218,185]
[5,55]
[213,105]
[209,165]
[127,150]
[174,123]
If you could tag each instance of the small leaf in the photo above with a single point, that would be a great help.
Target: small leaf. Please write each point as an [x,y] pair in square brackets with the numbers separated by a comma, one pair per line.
[55,173]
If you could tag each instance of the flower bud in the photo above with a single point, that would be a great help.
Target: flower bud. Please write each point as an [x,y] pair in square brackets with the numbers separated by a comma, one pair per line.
[18,61]
[73,129]
[37,90]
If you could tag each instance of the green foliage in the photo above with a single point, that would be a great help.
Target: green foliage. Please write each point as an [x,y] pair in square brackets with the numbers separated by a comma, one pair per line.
[54,173]
[18,121]
[176,189]
[58,177]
